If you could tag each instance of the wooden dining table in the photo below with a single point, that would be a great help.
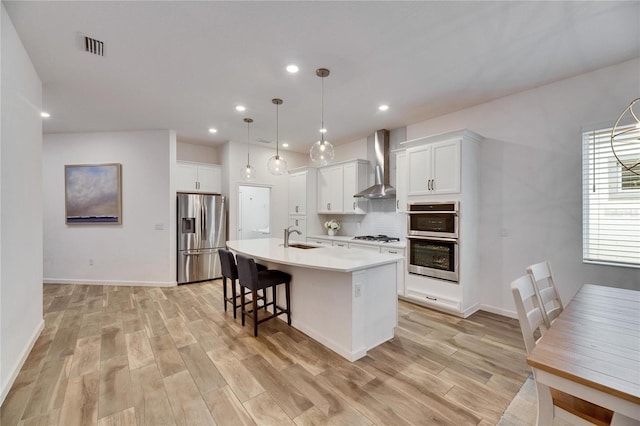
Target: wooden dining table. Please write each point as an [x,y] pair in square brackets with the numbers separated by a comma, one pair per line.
[592,351]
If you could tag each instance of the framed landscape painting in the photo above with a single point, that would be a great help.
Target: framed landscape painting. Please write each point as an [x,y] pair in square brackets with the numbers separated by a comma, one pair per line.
[93,193]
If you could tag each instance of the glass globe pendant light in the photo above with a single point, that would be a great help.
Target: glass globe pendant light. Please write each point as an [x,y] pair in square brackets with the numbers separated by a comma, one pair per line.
[322,152]
[248,172]
[276,164]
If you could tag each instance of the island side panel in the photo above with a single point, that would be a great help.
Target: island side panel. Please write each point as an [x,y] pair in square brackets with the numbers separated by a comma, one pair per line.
[375,310]
[348,312]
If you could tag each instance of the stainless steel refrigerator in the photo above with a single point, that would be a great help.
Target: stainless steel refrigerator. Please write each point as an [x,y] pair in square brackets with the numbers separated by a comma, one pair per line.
[201,231]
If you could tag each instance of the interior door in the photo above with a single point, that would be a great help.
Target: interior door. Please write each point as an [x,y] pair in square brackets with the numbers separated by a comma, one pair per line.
[253,212]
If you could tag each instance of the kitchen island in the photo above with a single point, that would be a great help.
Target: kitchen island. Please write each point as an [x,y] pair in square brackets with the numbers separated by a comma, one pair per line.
[344,299]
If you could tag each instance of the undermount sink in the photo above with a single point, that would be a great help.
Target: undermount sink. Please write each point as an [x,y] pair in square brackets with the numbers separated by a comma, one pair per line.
[302,246]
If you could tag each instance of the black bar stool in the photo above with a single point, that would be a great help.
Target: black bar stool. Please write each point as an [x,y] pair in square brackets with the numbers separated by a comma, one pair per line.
[254,280]
[230,272]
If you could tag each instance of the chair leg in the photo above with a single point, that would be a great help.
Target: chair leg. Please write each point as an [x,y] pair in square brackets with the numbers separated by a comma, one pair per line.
[288,300]
[242,310]
[254,296]
[224,292]
[264,299]
[275,302]
[234,296]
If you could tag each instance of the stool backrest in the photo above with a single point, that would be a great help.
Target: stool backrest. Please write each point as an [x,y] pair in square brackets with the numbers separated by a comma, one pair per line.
[248,272]
[228,264]
[530,313]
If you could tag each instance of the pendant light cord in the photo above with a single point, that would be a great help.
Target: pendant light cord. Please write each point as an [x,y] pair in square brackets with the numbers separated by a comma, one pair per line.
[248,124]
[322,129]
[277,130]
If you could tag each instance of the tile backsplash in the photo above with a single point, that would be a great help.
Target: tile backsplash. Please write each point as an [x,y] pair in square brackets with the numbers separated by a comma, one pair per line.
[380,219]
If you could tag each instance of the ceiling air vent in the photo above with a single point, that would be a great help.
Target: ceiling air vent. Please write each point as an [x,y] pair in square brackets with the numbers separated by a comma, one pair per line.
[94,46]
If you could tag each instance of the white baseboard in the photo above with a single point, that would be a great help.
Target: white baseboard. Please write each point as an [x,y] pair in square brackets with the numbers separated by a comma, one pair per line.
[499,311]
[110,282]
[20,362]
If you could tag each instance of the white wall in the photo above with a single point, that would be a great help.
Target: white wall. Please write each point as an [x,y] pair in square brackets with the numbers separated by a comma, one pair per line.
[351,151]
[234,157]
[530,184]
[140,251]
[197,153]
[20,205]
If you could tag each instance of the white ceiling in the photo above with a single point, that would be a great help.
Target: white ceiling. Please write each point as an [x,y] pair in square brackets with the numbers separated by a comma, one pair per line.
[186,65]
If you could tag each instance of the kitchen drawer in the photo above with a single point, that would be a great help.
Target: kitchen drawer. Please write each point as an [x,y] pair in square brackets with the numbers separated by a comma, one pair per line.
[392,250]
[319,241]
[435,301]
[364,247]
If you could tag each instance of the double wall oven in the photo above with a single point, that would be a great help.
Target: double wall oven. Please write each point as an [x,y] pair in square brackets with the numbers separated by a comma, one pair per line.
[432,239]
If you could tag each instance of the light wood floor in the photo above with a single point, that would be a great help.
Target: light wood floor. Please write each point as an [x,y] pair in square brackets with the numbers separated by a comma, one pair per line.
[164,356]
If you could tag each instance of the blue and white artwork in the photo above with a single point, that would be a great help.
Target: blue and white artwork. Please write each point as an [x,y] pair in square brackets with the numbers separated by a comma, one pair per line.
[93,193]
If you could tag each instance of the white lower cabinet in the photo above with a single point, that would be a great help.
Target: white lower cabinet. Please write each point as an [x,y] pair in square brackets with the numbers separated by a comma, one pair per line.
[435,293]
[401,270]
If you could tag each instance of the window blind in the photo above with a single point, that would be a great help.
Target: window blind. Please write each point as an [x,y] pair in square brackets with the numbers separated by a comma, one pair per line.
[611,198]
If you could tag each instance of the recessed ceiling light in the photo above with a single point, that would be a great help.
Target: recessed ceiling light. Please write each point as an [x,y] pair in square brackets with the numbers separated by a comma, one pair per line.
[45,114]
[285,145]
[383,107]
[240,108]
[212,130]
[292,69]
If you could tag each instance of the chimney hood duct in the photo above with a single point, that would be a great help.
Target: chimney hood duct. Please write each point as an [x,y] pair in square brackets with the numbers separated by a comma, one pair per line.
[382,188]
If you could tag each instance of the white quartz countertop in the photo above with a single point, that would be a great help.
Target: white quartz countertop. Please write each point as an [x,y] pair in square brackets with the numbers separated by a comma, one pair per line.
[395,244]
[331,258]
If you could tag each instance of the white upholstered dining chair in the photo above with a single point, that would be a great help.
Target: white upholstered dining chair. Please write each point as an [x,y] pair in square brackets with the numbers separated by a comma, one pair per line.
[532,321]
[547,292]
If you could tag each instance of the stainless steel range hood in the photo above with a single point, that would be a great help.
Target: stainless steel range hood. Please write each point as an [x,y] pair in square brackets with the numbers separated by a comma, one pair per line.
[382,188]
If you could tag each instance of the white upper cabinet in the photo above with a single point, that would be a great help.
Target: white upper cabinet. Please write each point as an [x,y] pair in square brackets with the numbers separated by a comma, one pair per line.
[402,182]
[330,189]
[298,193]
[198,177]
[434,168]
[302,202]
[355,180]
[337,184]
[446,167]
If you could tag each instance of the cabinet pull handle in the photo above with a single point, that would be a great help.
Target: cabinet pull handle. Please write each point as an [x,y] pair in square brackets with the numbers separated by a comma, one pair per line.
[392,252]
[296,210]
[433,184]
[328,206]
[354,205]
[296,222]
[398,204]
[430,298]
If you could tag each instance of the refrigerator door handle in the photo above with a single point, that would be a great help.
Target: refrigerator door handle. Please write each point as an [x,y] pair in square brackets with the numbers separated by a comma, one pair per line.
[201,221]
[204,221]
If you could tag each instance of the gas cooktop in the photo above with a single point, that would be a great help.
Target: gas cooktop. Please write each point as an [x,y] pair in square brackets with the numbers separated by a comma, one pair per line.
[379,238]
